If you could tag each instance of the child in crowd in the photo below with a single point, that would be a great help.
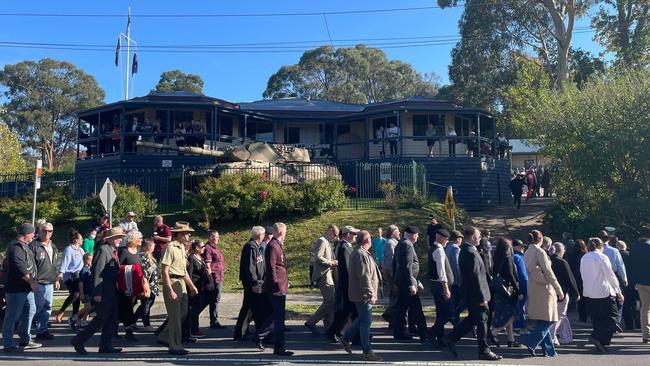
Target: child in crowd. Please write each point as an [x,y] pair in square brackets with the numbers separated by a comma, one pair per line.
[85,293]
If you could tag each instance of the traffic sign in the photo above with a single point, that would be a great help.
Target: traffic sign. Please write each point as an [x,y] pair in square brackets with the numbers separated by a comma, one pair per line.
[107,196]
[450,205]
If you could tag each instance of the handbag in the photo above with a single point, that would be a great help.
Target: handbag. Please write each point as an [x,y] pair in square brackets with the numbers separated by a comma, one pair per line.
[501,287]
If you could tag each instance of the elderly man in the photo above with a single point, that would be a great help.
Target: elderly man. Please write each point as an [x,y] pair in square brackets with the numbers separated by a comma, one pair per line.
[128,224]
[105,269]
[216,265]
[344,308]
[176,281]
[162,235]
[45,256]
[20,286]
[441,278]
[364,287]
[393,235]
[322,260]
[251,275]
[407,269]
[276,285]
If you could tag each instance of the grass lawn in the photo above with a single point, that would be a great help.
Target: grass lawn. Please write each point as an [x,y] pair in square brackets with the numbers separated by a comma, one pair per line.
[300,235]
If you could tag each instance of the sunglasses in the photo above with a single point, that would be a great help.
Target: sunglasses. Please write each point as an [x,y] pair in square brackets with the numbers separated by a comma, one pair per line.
[49,231]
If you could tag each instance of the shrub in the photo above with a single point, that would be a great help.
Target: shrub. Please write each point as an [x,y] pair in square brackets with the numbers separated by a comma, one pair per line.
[322,195]
[411,198]
[129,198]
[55,204]
[389,190]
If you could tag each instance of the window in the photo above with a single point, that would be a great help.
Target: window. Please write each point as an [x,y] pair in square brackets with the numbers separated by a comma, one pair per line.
[462,126]
[291,135]
[264,131]
[420,125]
[342,129]
[225,126]
[326,134]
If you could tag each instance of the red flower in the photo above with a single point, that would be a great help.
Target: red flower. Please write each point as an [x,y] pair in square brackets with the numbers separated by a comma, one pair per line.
[352,189]
[264,195]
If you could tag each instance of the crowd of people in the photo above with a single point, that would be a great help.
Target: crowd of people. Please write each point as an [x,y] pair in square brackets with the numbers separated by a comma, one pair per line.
[537,181]
[507,286]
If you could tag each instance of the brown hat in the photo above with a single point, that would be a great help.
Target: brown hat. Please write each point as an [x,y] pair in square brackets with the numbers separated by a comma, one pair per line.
[114,232]
[455,234]
[182,227]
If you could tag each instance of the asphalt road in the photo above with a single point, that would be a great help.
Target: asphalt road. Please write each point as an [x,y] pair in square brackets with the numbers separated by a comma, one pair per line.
[218,348]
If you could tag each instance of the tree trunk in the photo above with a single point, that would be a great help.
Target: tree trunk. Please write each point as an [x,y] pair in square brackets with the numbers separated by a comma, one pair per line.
[562,64]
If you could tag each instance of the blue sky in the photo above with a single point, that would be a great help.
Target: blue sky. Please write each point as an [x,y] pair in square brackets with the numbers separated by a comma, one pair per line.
[231,76]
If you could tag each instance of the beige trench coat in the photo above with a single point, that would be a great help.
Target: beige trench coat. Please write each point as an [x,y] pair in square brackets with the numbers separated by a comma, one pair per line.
[543,288]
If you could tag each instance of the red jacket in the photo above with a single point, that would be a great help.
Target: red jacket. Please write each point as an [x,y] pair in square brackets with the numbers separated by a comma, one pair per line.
[132,276]
[276,279]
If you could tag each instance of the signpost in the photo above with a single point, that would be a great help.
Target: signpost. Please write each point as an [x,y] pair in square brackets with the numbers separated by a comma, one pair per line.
[37,186]
[450,206]
[107,196]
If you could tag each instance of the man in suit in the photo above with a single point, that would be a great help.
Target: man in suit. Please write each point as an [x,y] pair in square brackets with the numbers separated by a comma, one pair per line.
[251,275]
[276,285]
[322,260]
[407,269]
[476,291]
[344,307]
[104,273]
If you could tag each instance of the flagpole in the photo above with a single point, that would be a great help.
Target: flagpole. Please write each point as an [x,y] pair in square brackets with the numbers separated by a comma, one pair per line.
[128,54]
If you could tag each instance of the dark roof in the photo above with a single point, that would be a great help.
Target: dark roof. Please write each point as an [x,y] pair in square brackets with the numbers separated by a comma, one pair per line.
[301,105]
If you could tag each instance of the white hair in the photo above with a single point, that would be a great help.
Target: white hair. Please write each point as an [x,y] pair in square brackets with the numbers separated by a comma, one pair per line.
[256,231]
[132,236]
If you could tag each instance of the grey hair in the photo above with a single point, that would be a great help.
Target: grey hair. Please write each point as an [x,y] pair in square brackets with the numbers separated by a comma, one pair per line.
[557,247]
[132,236]
[391,229]
[547,242]
[257,231]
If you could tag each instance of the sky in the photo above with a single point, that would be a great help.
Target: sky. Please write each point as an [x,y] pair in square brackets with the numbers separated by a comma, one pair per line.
[234,76]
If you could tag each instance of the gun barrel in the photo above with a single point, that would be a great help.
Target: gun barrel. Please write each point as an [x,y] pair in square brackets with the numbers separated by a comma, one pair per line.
[183,149]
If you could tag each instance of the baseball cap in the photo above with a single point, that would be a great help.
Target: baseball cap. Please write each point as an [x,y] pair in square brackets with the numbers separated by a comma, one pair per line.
[268,230]
[349,229]
[130,213]
[25,229]
[432,216]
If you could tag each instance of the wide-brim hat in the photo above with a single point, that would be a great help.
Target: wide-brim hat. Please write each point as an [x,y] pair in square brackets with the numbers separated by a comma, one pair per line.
[114,232]
[350,229]
[130,214]
[182,227]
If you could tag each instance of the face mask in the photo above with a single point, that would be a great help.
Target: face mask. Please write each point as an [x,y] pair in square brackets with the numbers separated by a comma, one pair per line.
[92,236]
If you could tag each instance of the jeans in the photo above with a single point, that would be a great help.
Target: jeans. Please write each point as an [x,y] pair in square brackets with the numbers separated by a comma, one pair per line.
[43,300]
[362,325]
[144,310]
[20,309]
[541,335]
[214,303]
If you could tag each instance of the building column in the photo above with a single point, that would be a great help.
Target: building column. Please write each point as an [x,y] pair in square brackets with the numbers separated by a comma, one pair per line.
[366,144]
[122,127]
[401,134]
[245,135]
[478,135]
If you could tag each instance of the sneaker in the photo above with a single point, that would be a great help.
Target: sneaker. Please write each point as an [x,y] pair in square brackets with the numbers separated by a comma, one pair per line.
[371,356]
[72,322]
[30,345]
[346,345]
[198,334]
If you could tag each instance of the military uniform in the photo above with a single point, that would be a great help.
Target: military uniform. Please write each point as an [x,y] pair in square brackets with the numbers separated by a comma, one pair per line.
[175,257]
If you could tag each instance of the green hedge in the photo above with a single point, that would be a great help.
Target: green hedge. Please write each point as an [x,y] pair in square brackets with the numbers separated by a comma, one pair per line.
[129,198]
[249,197]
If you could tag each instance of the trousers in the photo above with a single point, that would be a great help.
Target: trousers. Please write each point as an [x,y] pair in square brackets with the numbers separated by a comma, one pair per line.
[176,312]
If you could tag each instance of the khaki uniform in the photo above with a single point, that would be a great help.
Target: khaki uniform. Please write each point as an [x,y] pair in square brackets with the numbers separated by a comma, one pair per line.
[175,257]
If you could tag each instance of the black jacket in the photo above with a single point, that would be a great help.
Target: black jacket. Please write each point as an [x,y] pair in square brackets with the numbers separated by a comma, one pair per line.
[251,265]
[564,276]
[19,261]
[639,259]
[517,185]
[407,265]
[343,257]
[104,272]
[46,271]
[505,267]
[196,269]
[474,285]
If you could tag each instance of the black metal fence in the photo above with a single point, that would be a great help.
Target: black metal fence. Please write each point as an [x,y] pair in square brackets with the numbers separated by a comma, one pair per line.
[367,183]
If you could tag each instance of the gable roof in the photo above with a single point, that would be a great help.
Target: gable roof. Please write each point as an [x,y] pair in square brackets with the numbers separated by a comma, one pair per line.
[524,146]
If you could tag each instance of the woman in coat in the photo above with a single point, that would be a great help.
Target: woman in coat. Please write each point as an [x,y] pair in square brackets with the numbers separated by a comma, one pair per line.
[198,272]
[561,331]
[544,292]
[505,305]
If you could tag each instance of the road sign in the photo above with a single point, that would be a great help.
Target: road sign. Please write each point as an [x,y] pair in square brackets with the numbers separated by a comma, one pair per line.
[37,185]
[450,206]
[107,196]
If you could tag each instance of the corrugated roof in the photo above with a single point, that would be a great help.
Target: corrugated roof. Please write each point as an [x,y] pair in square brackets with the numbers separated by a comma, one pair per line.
[299,104]
[523,146]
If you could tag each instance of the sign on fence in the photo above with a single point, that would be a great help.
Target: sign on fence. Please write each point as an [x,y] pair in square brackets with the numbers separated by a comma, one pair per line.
[384,172]
[107,196]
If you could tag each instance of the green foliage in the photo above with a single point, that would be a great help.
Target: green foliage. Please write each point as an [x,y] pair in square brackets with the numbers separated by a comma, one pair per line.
[351,75]
[598,139]
[249,197]
[176,80]
[43,98]
[10,154]
[129,198]
[410,197]
[622,28]
[388,189]
[55,204]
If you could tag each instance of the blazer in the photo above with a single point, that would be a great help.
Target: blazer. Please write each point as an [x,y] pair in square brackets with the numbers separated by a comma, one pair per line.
[473,285]
[251,266]
[275,275]
[365,278]
[321,259]
[343,256]
[564,276]
[104,272]
[407,265]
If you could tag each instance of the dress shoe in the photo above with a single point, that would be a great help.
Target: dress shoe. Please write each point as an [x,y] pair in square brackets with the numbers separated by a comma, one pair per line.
[79,348]
[47,336]
[283,353]
[217,325]
[371,356]
[346,345]
[198,334]
[449,346]
[178,352]
[514,344]
[599,346]
[402,337]
[489,356]
[312,328]
[110,350]
[12,349]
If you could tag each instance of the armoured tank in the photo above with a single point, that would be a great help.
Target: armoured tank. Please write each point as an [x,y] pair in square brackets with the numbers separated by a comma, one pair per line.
[286,164]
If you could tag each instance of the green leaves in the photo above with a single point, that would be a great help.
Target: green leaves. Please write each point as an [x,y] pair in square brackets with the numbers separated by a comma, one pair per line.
[351,75]
[176,80]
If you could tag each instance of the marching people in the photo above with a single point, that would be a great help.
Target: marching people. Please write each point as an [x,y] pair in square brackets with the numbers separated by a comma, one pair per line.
[149,267]
[453,252]
[580,249]
[20,286]
[213,257]
[561,332]
[407,268]
[104,272]
[45,258]
[476,292]
[162,235]
[378,243]
[506,290]
[85,293]
[518,248]
[276,285]
[129,256]
[344,307]
[602,292]
[88,244]
[323,262]
[71,265]
[544,292]
[393,235]
[197,270]
[631,316]
[639,259]
[517,189]
[441,279]
[363,290]
[176,283]
[609,238]
[251,275]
